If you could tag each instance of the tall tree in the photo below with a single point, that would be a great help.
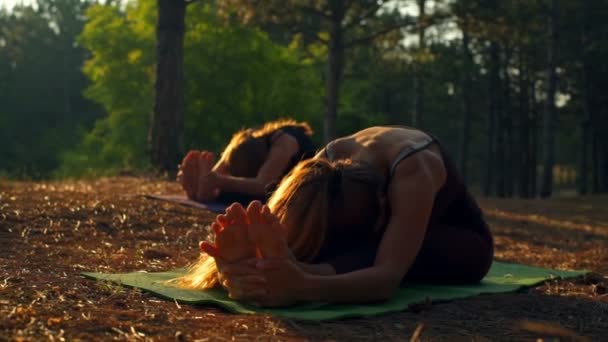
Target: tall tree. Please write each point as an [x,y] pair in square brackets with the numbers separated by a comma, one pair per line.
[587,91]
[336,24]
[166,119]
[41,102]
[467,69]
[418,114]
[533,164]
[523,127]
[507,124]
[218,84]
[550,113]
[492,119]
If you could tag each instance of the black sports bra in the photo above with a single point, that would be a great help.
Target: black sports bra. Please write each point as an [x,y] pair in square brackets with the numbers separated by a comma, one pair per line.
[403,154]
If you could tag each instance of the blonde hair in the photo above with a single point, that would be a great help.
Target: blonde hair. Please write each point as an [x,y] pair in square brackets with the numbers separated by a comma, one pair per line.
[248,148]
[309,200]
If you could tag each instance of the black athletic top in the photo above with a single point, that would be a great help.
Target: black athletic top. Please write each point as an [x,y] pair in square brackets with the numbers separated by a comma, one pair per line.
[453,206]
[306,149]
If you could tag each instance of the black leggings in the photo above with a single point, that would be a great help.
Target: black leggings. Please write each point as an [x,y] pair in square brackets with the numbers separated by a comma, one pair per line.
[449,255]
[452,255]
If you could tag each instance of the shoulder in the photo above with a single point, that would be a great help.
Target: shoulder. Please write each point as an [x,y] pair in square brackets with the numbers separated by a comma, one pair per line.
[423,170]
[284,141]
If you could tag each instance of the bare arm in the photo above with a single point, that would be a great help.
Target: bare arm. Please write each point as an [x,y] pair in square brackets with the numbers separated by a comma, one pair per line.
[220,167]
[412,194]
[317,269]
[281,151]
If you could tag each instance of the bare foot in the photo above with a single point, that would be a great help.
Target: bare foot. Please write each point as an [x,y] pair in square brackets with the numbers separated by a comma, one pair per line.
[189,173]
[232,241]
[207,189]
[209,161]
[267,232]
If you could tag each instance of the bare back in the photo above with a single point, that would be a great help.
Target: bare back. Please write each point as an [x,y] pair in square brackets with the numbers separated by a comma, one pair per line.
[380,146]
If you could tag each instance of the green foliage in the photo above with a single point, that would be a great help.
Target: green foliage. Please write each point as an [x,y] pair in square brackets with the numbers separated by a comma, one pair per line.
[235,77]
[82,106]
[120,70]
[40,86]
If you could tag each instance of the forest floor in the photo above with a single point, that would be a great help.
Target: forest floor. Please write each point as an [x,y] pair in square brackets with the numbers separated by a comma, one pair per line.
[50,232]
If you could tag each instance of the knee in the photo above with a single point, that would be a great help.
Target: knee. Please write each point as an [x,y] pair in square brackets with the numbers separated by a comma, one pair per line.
[484,259]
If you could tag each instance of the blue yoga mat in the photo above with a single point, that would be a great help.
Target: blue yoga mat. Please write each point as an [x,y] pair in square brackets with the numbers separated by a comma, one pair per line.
[215,207]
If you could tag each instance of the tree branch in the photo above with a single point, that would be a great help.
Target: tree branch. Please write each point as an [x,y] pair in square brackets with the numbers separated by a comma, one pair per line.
[310,34]
[376,34]
[313,10]
[190,2]
[371,12]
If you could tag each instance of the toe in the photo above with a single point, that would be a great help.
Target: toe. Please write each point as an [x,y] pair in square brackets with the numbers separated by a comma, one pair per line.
[240,214]
[216,228]
[253,212]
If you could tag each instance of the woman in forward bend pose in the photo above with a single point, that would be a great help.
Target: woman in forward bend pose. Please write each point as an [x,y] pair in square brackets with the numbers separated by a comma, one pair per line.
[253,160]
[369,211]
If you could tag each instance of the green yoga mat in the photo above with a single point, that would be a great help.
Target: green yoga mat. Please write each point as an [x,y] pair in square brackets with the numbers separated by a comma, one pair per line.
[503,277]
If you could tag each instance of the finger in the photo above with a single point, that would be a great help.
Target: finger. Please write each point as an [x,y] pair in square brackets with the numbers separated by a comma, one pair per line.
[253,212]
[221,220]
[269,264]
[216,228]
[239,213]
[241,295]
[237,269]
[209,248]
[245,293]
[250,262]
[268,216]
[229,214]
[251,280]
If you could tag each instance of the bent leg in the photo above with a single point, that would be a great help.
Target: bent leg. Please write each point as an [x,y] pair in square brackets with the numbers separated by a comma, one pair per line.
[452,255]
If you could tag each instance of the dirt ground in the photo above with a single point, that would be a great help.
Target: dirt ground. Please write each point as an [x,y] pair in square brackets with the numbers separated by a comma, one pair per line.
[52,231]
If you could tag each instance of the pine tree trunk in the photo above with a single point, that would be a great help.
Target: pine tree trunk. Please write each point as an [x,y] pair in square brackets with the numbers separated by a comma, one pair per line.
[500,152]
[533,148]
[507,126]
[586,135]
[166,121]
[465,133]
[523,140]
[335,67]
[602,123]
[604,163]
[595,162]
[550,114]
[491,159]
[418,115]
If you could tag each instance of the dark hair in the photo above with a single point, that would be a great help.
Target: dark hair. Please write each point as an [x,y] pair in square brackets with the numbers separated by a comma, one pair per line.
[249,148]
[245,154]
